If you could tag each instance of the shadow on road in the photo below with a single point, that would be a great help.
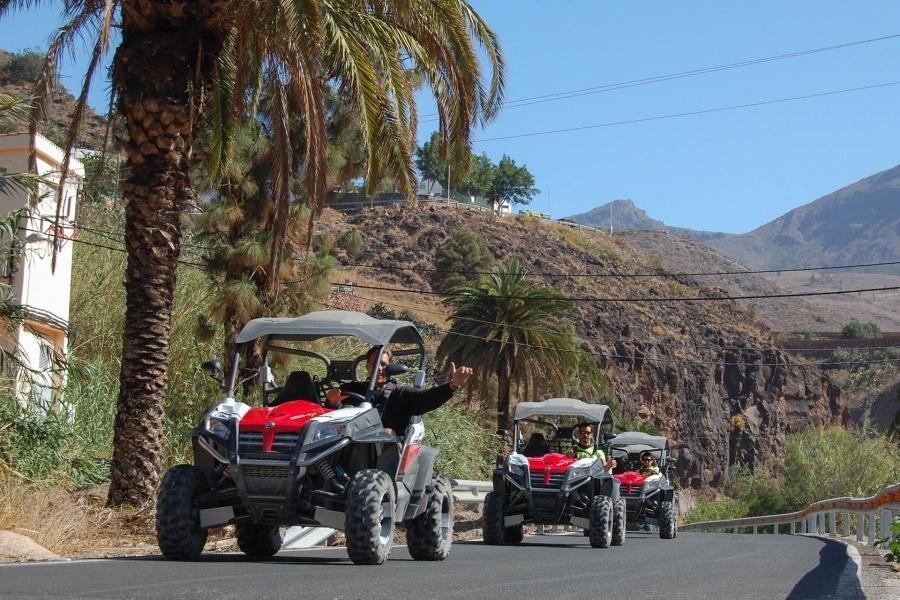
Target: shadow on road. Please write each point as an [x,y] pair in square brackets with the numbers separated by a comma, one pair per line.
[834,577]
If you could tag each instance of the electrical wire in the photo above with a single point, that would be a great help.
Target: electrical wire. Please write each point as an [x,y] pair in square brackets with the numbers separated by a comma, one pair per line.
[688,113]
[552,97]
[626,275]
[626,299]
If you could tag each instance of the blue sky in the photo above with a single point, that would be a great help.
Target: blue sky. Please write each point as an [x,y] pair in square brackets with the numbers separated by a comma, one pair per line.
[727,171]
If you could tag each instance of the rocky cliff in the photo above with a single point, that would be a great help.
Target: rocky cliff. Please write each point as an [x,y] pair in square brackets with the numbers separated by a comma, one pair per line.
[706,373]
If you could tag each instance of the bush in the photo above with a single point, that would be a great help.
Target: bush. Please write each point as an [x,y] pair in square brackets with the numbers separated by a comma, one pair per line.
[856,330]
[460,258]
[352,243]
[467,447]
[25,66]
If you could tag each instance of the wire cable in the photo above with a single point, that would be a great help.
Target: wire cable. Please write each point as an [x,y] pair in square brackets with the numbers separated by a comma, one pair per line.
[627,299]
[552,97]
[689,113]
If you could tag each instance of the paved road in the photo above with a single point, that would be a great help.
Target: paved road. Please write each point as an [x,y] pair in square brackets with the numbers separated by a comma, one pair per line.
[692,566]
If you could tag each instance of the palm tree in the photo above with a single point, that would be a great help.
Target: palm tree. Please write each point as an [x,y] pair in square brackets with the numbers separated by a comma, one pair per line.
[179,63]
[508,326]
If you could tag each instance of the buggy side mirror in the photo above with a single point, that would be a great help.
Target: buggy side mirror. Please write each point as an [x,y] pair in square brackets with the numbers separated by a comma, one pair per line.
[608,438]
[213,367]
[395,369]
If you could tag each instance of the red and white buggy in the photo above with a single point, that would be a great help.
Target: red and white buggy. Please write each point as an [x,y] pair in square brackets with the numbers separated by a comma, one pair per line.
[650,500]
[292,461]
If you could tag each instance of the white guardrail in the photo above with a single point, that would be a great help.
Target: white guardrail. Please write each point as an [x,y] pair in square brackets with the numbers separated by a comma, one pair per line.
[869,517]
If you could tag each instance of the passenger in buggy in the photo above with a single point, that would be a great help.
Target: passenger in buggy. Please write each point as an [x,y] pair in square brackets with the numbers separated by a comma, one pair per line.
[585,447]
[647,467]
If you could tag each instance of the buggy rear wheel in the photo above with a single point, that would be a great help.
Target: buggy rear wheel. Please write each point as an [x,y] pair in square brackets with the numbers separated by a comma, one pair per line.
[369,517]
[667,529]
[618,528]
[178,530]
[259,541]
[601,522]
[430,535]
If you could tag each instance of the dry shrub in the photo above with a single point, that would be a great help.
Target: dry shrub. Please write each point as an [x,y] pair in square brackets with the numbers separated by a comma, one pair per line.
[61,521]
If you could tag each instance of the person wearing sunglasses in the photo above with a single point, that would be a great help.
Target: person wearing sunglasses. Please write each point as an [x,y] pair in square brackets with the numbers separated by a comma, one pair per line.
[585,447]
[647,467]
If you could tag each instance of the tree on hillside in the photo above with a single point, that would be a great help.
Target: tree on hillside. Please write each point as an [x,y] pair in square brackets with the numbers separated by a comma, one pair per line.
[857,330]
[432,167]
[509,326]
[180,63]
[459,258]
[479,177]
[511,183]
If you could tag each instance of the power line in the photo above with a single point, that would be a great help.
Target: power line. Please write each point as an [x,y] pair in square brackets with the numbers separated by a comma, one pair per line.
[552,97]
[633,299]
[690,113]
[624,275]
[616,341]
[660,360]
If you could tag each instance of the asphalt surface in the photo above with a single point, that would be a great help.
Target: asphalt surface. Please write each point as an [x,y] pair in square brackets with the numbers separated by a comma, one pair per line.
[694,565]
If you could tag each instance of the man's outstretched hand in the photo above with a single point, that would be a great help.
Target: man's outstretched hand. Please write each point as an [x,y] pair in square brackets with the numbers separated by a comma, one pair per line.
[459,376]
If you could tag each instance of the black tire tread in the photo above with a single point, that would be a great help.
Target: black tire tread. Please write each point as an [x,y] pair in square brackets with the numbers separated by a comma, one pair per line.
[177,532]
[493,530]
[424,538]
[259,541]
[619,516]
[361,528]
[667,526]
[601,522]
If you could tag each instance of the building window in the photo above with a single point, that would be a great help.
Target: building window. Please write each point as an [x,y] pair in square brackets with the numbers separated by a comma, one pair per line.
[45,361]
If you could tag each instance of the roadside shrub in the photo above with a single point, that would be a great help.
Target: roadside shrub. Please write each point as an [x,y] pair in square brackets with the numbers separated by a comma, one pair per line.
[467,447]
[458,260]
[25,66]
[352,243]
[856,330]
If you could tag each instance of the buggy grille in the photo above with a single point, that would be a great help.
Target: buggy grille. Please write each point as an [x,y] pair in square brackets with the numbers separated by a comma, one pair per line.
[634,493]
[250,442]
[554,483]
[265,471]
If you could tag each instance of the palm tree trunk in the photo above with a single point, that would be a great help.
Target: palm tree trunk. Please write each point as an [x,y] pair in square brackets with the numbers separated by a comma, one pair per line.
[160,72]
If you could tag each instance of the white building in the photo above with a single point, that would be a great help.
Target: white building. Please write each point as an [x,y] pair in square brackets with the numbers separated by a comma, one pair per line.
[41,291]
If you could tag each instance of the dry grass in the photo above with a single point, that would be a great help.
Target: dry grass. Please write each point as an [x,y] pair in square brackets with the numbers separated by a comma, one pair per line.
[67,523]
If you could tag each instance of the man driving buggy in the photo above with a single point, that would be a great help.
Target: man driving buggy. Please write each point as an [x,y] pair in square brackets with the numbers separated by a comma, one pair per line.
[398,404]
[585,447]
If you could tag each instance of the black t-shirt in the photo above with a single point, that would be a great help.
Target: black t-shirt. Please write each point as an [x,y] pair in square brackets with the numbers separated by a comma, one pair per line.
[403,402]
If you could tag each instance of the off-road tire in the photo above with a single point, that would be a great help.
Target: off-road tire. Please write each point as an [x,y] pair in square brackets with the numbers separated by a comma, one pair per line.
[514,535]
[493,531]
[430,535]
[178,530]
[260,541]
[619,517]
[601,522]
[666,519]
[369,518]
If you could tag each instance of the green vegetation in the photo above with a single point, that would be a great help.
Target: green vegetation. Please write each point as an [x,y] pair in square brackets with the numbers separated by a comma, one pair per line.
[817,464]
[352,243]
[856,330]
[893,542]
[458,260]
[25,66]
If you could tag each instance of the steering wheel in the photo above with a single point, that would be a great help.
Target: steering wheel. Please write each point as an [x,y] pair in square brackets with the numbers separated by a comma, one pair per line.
[354,396]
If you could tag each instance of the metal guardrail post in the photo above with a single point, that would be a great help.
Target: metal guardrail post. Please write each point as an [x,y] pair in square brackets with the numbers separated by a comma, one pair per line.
[872,518]
[886,518]
[846,523]
[860,526]
[754,530]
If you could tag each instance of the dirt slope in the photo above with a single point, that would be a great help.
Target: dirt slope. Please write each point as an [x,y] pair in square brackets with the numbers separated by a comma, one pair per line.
[671,364]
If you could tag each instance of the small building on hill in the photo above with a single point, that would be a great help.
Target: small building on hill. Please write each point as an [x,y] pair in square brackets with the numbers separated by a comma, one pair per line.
[35,343]
[428,191]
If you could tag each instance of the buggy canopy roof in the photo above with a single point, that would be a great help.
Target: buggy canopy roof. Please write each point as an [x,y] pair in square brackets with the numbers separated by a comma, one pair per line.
[627,439]
[568,407]
[328,323]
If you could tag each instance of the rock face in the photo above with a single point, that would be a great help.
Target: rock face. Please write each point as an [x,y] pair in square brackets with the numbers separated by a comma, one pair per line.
[706,373]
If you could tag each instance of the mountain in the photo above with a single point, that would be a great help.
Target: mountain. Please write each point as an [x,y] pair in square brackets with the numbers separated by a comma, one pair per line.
[624,214]
[686,367]
[859,223]
[18,82]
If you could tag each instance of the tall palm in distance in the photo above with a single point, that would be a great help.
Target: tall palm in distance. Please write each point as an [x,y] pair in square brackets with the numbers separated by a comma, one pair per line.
[180,63]
[507,325]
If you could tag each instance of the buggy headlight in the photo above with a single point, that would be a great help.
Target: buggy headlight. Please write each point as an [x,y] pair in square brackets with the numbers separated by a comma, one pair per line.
[518,466]
[579,472]
[650,485]
[217,426]
[327,431]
